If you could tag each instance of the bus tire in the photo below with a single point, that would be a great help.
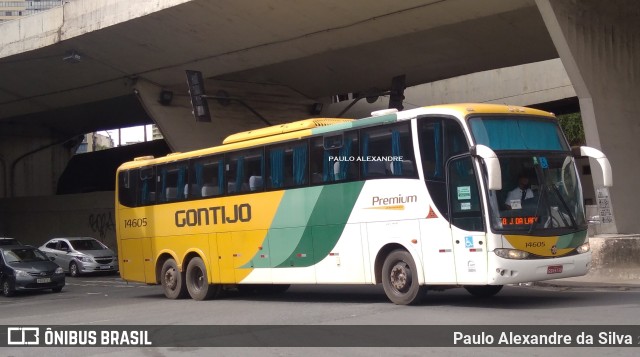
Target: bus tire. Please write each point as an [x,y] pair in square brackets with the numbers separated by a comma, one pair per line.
[172,280]
[483,291]
[400,279]
[197,281]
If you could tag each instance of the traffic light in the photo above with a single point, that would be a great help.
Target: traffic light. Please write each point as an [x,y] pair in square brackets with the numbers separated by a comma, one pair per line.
[198,99]
[396,94]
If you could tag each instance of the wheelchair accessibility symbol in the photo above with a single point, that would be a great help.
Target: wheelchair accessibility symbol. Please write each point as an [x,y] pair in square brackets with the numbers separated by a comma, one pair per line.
[468,242]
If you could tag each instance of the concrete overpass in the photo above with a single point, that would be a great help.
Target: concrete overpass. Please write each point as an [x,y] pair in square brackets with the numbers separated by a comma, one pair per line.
[94,65]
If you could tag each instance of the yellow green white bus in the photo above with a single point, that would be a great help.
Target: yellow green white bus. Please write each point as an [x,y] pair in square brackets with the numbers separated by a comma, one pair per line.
[410,200]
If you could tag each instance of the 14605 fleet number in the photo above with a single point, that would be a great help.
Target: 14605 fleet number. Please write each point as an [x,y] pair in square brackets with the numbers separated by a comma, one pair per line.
[135,223]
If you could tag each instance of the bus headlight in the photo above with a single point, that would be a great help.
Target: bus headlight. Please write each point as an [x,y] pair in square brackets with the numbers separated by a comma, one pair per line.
[583,248]
[511,253]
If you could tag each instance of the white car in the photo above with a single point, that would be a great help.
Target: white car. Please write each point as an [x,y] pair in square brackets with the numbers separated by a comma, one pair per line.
[79,255]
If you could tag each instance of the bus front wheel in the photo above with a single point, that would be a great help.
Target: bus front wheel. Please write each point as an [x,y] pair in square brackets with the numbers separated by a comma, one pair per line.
[197,281]
[172,280]
[400,279]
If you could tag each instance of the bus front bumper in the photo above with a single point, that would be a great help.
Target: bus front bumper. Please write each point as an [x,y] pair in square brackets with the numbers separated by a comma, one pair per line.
[512,271]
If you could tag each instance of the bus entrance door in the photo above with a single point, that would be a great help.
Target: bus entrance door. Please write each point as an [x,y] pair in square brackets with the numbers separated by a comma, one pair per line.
[470,253]
[467,221]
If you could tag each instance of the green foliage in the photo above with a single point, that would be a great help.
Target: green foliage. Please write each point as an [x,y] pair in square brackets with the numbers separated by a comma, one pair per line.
[571,125]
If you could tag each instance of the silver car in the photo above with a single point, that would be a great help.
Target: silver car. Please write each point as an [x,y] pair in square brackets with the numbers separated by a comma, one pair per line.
[78,255]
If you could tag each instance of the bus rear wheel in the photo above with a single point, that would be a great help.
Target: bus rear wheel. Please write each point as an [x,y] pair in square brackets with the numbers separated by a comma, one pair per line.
[483,291]
[400,279]
[172,280]
[197,281]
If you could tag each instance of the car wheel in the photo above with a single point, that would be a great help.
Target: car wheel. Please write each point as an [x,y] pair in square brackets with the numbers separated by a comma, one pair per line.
[7,288]
[73,270]
[57,290]
[172,280]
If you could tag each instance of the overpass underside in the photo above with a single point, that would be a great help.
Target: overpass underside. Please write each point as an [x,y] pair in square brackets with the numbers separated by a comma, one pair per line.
[130,54]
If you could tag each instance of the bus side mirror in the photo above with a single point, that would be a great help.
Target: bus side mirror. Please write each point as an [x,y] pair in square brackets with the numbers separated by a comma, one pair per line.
[586,151]
[492,163]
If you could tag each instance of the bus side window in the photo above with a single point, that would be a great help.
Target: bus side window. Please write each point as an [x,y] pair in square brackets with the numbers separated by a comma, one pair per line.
[288,165]
[146,187]
[329,165]
[171,181]
[127,184]
[387,152]
[207,177]
[245,171]
[317,165]
[440,138]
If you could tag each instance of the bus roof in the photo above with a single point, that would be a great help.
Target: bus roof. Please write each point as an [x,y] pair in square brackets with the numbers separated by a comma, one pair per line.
[318,126]
[464,109]
[283,128]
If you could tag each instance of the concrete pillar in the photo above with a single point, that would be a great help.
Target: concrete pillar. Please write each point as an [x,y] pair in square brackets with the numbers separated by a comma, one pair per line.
[277,104]
[599,45]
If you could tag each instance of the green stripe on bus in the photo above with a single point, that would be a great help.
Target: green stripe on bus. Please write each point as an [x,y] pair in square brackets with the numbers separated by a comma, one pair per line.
[326,224]
[288,226]
[572,240]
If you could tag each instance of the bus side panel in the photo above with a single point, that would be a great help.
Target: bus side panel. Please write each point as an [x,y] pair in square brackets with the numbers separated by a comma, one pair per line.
[400,232]
[343,263]
[214,258]
[147,255]
[246,245]
[471,256]
[261,264]
[291,252]
[225,261]
[438,251]
[132,267]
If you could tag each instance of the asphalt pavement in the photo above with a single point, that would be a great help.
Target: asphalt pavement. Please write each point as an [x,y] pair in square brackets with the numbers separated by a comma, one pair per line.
[593,280]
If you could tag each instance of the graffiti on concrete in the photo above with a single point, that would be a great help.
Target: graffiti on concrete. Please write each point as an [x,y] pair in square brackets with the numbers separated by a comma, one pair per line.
[101,223]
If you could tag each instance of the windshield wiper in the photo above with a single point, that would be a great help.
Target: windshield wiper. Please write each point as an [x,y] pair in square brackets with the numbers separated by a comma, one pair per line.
[566,207]
[541,175]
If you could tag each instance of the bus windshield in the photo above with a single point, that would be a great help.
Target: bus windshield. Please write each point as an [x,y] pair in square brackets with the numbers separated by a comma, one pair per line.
[541,194]
[517,133]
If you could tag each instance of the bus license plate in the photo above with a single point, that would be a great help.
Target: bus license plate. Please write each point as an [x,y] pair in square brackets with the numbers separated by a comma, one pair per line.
[554,269]
[43,280]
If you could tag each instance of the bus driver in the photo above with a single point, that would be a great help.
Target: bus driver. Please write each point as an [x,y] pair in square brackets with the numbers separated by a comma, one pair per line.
[516,197]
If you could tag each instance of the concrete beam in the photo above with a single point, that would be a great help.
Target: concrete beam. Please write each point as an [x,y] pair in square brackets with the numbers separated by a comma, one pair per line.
[73,19]
[526,85]
[177,124]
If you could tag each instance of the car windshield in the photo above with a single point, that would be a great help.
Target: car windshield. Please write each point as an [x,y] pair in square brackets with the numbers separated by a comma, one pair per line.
[86,244]
[16,255]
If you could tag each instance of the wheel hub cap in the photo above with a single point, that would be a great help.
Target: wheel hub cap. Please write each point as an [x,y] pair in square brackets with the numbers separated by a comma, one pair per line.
[400,276]
[170,278]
